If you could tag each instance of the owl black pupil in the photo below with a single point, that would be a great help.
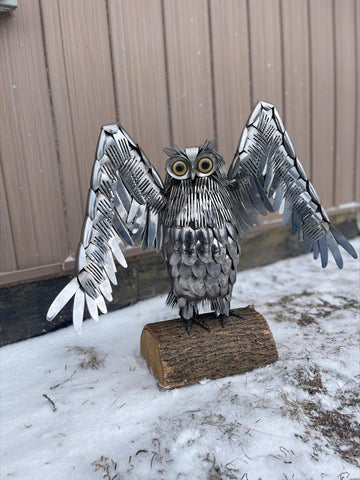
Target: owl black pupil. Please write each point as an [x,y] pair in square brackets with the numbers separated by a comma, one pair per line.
[205,165]
[179,168]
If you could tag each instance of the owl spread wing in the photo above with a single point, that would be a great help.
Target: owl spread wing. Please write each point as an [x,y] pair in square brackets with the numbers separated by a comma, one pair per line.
[124,205]
[265,173]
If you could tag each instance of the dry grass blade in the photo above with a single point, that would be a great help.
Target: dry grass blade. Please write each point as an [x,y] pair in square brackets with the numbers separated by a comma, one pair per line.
[52,403]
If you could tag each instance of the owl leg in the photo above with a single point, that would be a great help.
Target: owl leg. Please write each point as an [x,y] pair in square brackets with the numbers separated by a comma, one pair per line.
[232,313]
[223,311]
[188,324]
[189,314]
[223,319]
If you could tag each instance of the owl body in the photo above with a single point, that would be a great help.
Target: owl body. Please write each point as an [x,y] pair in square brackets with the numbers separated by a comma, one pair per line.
[196,218]
[201,244]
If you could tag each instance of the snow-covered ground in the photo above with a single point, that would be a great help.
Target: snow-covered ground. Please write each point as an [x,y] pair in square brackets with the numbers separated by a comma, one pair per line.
[88,408]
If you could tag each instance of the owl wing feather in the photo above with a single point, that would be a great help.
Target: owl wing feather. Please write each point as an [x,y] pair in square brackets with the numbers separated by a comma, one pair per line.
[266,173]
[124,206]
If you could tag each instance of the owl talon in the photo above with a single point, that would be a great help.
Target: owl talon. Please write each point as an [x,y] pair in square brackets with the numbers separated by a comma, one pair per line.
[199,322]
[188,325]
[203,325]
[234,313]
[195,319]
[223,319]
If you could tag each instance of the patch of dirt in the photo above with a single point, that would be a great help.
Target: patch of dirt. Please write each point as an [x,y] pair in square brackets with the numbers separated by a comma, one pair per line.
[287,300]
[311,305]
[306,320]
[340,431]
[309,379]
[349,397]
[288,305]
[90,359]
[325,309]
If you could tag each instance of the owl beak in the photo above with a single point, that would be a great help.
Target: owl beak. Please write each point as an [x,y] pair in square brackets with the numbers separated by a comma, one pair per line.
[193,173]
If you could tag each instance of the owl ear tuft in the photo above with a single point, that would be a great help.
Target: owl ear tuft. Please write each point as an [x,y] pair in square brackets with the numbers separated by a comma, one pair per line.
[171,151]
[208,145]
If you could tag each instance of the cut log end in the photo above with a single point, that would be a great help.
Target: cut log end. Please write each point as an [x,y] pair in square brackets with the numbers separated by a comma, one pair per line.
[177,359]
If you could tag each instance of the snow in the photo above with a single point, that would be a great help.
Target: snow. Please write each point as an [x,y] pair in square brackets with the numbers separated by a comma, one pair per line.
[103,415]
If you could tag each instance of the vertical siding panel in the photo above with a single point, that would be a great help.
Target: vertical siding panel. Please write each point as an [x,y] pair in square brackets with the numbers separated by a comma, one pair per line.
[266,61]
[345,104]
[189,70]
[265,45]
[231,72]
[140,74]
[297,76]
[322,99]
[7,257]
[27,146]
[89,77]
[357,132]
[63,120]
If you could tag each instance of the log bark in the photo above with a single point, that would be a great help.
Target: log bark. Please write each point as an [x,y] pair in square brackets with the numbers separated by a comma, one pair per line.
[177,359]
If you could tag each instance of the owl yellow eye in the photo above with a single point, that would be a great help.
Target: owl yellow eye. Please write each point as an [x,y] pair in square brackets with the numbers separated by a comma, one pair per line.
[179,168]
[205,165]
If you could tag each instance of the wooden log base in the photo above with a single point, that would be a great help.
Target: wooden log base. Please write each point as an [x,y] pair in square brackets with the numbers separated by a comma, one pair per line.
[177,359]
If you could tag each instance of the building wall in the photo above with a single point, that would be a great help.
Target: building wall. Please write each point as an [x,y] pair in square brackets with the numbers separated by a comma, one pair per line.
[171,72]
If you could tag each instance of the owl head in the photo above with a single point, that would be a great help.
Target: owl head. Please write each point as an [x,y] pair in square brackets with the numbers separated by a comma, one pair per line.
[194,162]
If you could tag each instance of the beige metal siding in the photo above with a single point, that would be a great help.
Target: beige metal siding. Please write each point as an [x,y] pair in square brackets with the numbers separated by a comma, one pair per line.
[27,143]
[357,101]
[187,39]
[345,95]
[63,121]
[322,98]
[296,68]
[170,71]
[265,52]
[231,69]
[139,64]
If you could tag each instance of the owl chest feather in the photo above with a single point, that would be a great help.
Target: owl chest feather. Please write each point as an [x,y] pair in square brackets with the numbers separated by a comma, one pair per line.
[200,244]
[204,202]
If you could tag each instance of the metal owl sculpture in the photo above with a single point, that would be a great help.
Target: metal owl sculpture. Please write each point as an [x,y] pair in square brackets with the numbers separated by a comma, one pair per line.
[196,219]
